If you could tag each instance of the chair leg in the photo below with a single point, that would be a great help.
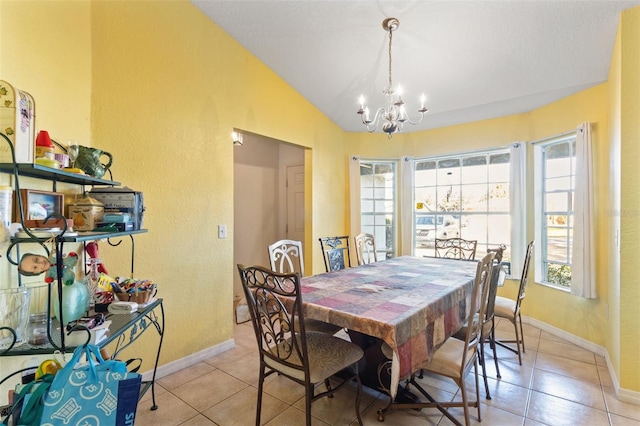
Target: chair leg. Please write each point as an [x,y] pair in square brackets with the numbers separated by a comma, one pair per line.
[465,405]
[484,371]
[475,367]
[308,397]
[260,386]
[492,344]
[358,395]
[521,332]
[327,383]
[518,337]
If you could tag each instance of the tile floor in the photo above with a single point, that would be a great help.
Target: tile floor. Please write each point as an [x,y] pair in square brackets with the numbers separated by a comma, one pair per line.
[558,384]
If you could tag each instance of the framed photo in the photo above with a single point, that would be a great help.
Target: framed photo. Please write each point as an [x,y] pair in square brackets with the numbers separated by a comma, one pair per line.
[37,205]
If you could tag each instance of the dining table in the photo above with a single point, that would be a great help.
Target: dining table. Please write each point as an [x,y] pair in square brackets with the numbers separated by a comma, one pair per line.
[413,304]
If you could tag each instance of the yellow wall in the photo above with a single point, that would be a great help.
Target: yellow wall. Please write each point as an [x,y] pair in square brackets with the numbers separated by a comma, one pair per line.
[164,89]
[629,207]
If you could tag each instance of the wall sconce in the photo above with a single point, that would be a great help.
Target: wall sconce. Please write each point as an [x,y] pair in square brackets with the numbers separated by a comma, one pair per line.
[237,138]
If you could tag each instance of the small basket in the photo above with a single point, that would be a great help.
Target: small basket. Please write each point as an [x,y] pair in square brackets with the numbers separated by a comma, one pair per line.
[139,297]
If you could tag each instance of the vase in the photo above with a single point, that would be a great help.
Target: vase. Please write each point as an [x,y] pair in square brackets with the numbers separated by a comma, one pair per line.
[75,301]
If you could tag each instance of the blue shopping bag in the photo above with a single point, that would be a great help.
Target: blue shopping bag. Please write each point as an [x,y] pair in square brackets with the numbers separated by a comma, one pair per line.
[98,393]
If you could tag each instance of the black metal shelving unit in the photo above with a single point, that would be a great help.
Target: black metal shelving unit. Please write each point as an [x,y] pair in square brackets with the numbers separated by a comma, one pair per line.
[125,328]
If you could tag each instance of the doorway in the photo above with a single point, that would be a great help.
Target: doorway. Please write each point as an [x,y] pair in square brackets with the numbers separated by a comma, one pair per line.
[269,198]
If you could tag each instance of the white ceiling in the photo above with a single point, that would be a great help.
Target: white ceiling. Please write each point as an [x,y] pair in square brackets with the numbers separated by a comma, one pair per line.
[472,59]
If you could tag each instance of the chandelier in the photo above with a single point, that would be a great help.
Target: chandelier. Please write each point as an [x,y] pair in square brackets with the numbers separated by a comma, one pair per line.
[394,115]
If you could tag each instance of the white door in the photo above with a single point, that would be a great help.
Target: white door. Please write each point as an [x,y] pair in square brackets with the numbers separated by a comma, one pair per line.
[295,202]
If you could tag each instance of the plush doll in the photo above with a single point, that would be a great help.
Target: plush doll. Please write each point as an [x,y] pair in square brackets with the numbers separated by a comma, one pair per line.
[92,251]
[69,263]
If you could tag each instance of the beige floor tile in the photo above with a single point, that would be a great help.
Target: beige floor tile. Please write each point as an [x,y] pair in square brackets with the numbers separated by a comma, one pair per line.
[556,411]
[282,388]
[568,367]
[209,389]
[340,409]
[530,342]
[424,417]
[490,416]
[171,411]
[293,417]
[245,368]
[624,409]
[506,396]
[511,371]
[617,420]
[530,422]
[185,375]
[147,396]
[199,420]
[240,409]
[559,383]
[566,350]
[584,393]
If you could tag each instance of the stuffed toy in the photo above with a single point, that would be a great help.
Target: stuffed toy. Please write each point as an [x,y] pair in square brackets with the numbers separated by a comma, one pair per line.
[92,251]
[69,263]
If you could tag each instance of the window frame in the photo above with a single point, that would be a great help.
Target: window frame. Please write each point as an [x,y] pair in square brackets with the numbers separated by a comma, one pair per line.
[390,247]
[488,212]
[541,212]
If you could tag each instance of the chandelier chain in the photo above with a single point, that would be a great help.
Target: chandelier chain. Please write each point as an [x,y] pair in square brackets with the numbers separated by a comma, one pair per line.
[390,68]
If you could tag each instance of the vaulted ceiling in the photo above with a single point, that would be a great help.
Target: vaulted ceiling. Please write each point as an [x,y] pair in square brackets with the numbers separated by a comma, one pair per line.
[472,59]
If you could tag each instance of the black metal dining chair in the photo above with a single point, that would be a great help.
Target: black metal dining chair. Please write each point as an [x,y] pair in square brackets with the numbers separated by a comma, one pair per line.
[285,346]
[336,252]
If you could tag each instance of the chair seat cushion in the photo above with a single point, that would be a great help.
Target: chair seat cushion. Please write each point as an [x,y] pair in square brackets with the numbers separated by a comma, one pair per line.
[327,355]
[505,307]
[462,333]
[448,358]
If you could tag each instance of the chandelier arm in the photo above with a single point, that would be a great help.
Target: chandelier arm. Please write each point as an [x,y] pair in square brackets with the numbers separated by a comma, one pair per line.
[373,123]
[415,122]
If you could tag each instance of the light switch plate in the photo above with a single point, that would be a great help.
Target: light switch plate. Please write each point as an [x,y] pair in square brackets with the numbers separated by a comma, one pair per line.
[222,231]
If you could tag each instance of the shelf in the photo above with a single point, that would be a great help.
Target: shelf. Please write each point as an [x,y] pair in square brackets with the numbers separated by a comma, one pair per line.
[120,323]
[42,172]
[82,236]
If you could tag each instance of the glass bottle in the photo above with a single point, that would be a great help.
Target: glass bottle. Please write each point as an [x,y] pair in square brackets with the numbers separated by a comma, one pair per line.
[37,329]
[92,279]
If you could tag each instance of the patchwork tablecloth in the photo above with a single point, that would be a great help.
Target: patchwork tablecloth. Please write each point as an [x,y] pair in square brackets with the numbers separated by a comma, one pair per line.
[412,303]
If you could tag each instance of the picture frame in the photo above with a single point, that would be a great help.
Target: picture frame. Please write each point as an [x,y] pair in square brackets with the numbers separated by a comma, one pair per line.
[36,205]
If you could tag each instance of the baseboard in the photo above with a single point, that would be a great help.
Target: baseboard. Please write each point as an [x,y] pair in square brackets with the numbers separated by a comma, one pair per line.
[189,360]
[623,395]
